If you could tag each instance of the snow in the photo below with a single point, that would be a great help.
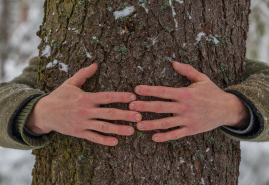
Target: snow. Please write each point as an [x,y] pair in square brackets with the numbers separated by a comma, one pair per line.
[139,67]
[211,37]
[125,12]
[141,3]
[122,31]
[87,52]
[180,1]
[169,59]
[24,42]
[215,40]
[63,67]
[202,181]
[199,37]
[181,160]
[153,40]
[189,15]
[174,14]
[46,51]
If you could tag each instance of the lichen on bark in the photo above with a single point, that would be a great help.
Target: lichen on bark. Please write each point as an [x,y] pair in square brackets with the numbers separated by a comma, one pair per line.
[139,49]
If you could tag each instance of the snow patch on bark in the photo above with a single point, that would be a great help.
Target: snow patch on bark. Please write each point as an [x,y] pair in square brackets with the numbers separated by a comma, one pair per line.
[46,52]
[179,1]
[125,12]
[141,3]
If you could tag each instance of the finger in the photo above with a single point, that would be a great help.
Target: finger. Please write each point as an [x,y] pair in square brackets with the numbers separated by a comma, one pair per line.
[157,91]
[164,123]
[155,106]
[172,135]
[98,138]
[81,76]
[187,70]
[115,114]
[106,127]
[112,97]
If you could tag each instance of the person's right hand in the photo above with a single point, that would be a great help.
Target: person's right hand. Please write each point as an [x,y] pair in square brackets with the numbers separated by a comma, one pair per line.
[71,111]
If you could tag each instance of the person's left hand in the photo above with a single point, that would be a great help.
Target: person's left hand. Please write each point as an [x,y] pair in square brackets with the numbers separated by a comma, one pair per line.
[198,108]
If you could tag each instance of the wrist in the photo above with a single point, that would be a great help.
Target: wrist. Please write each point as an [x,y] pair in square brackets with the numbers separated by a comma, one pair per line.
[239,115]
[34,122]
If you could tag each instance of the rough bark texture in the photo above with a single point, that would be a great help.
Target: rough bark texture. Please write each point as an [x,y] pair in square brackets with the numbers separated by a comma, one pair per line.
[138,49]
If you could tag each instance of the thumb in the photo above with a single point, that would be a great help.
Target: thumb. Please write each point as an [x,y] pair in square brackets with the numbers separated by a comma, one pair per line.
[81,76]
[187,70]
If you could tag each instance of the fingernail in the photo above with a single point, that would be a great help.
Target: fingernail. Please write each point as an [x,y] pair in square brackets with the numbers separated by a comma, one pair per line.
[114,142]
[132,106]
[132,97]
[137,117]
[155,138]
[140,125]
[138,89]
[130,130]
[178,64]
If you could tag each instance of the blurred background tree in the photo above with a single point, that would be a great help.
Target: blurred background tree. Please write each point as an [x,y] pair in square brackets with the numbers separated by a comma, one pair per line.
[19,21]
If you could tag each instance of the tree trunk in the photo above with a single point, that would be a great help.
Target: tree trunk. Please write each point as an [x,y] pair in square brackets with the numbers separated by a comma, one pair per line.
[138,49]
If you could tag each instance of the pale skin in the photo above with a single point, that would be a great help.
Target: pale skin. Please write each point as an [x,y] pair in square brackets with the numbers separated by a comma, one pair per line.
[198,108]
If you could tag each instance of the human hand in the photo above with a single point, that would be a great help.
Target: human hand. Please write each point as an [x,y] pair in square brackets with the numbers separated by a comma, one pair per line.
[71,111]
[198,108]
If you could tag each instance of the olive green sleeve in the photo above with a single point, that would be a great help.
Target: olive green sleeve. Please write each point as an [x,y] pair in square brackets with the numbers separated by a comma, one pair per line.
[254,91]
[16,100]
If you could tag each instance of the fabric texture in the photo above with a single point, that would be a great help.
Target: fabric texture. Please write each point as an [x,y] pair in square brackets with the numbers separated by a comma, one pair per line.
[20,132]
[13,96]
[254,91]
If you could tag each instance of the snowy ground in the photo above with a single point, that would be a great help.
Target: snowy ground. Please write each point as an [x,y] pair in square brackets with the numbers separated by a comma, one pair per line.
[16,165]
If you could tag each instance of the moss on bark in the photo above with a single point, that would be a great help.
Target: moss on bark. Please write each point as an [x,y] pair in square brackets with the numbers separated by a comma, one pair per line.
[138,49]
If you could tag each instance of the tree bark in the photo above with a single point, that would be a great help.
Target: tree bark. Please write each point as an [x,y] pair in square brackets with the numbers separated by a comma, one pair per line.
[138,49]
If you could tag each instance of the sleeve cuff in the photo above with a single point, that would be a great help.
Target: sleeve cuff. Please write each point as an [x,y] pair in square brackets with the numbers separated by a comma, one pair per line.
[21,132]
[258,125]
[250,126]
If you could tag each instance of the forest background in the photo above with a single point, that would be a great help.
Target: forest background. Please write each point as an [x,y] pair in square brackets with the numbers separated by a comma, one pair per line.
[19,22]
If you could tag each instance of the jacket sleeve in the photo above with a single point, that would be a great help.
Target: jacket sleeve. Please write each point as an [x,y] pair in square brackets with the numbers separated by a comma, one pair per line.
[17,98]
[254,91]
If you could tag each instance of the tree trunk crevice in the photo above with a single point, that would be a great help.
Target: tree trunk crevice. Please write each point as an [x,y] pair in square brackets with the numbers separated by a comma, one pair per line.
[133,50]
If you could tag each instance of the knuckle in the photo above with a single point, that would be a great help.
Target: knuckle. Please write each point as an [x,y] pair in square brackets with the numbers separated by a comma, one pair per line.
[176,136]
[165,124]
[108,97]
[82,98]
[159,107]
[162,91]
[110,113]
[80,112]
[93,139]
[103,127]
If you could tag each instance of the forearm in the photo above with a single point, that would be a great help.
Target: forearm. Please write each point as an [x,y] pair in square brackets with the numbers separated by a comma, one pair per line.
[254,91]
[14,96]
